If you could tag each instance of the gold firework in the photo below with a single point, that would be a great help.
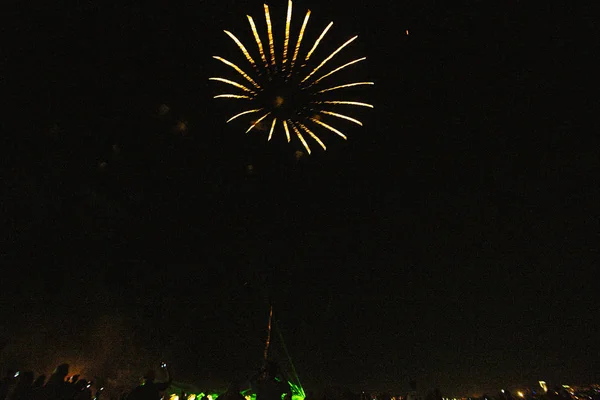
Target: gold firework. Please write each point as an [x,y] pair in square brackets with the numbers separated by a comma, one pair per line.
[284,89]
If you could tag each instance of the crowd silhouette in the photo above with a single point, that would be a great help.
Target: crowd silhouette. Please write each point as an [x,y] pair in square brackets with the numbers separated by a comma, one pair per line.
[267,384]
[16,385]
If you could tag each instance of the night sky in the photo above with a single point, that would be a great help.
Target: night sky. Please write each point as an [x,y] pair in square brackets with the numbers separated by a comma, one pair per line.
[453,239]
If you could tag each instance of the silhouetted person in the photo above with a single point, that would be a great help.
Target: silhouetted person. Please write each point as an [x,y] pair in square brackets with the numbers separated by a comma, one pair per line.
[434,395]
[7,384]
[268,385]
[38,389]
[98,393]
[58,376]
[413,394]
[39,381]
[82,390]
[23,389]
[56,388]
[232,393]
[347,394]
[150,390]
[71,389]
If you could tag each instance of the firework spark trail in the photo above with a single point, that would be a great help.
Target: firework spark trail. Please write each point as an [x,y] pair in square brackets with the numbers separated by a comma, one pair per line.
[338,69]
[347,85]
[287,131]
[258,121]
[300,35]
[318,41]
[232,65]
[258,42]
[242,48]
[303,127]
[268,333]
[232,83]
[272,128]
[231,96]
[341,116]
[287,33]
[300,137]
[243,113]
[331,128]
[330,57]
[270,33]
[350,103]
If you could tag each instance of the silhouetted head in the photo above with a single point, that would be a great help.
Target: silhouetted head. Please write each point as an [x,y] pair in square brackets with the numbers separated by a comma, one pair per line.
[62,370]
[39,381]
[26,378]
[149,376]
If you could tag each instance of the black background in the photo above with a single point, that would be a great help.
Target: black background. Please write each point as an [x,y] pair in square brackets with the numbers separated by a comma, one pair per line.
[452,239]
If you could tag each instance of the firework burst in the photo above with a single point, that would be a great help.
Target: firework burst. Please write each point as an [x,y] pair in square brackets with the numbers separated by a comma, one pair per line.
[287,89]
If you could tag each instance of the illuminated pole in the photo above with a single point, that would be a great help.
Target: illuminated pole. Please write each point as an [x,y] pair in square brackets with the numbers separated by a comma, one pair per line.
[268,333]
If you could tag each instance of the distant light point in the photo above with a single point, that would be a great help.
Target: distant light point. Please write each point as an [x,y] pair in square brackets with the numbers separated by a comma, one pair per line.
[163,109]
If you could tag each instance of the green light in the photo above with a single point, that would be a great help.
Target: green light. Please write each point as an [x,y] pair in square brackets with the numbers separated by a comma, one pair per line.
[297,391]
[295,387]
